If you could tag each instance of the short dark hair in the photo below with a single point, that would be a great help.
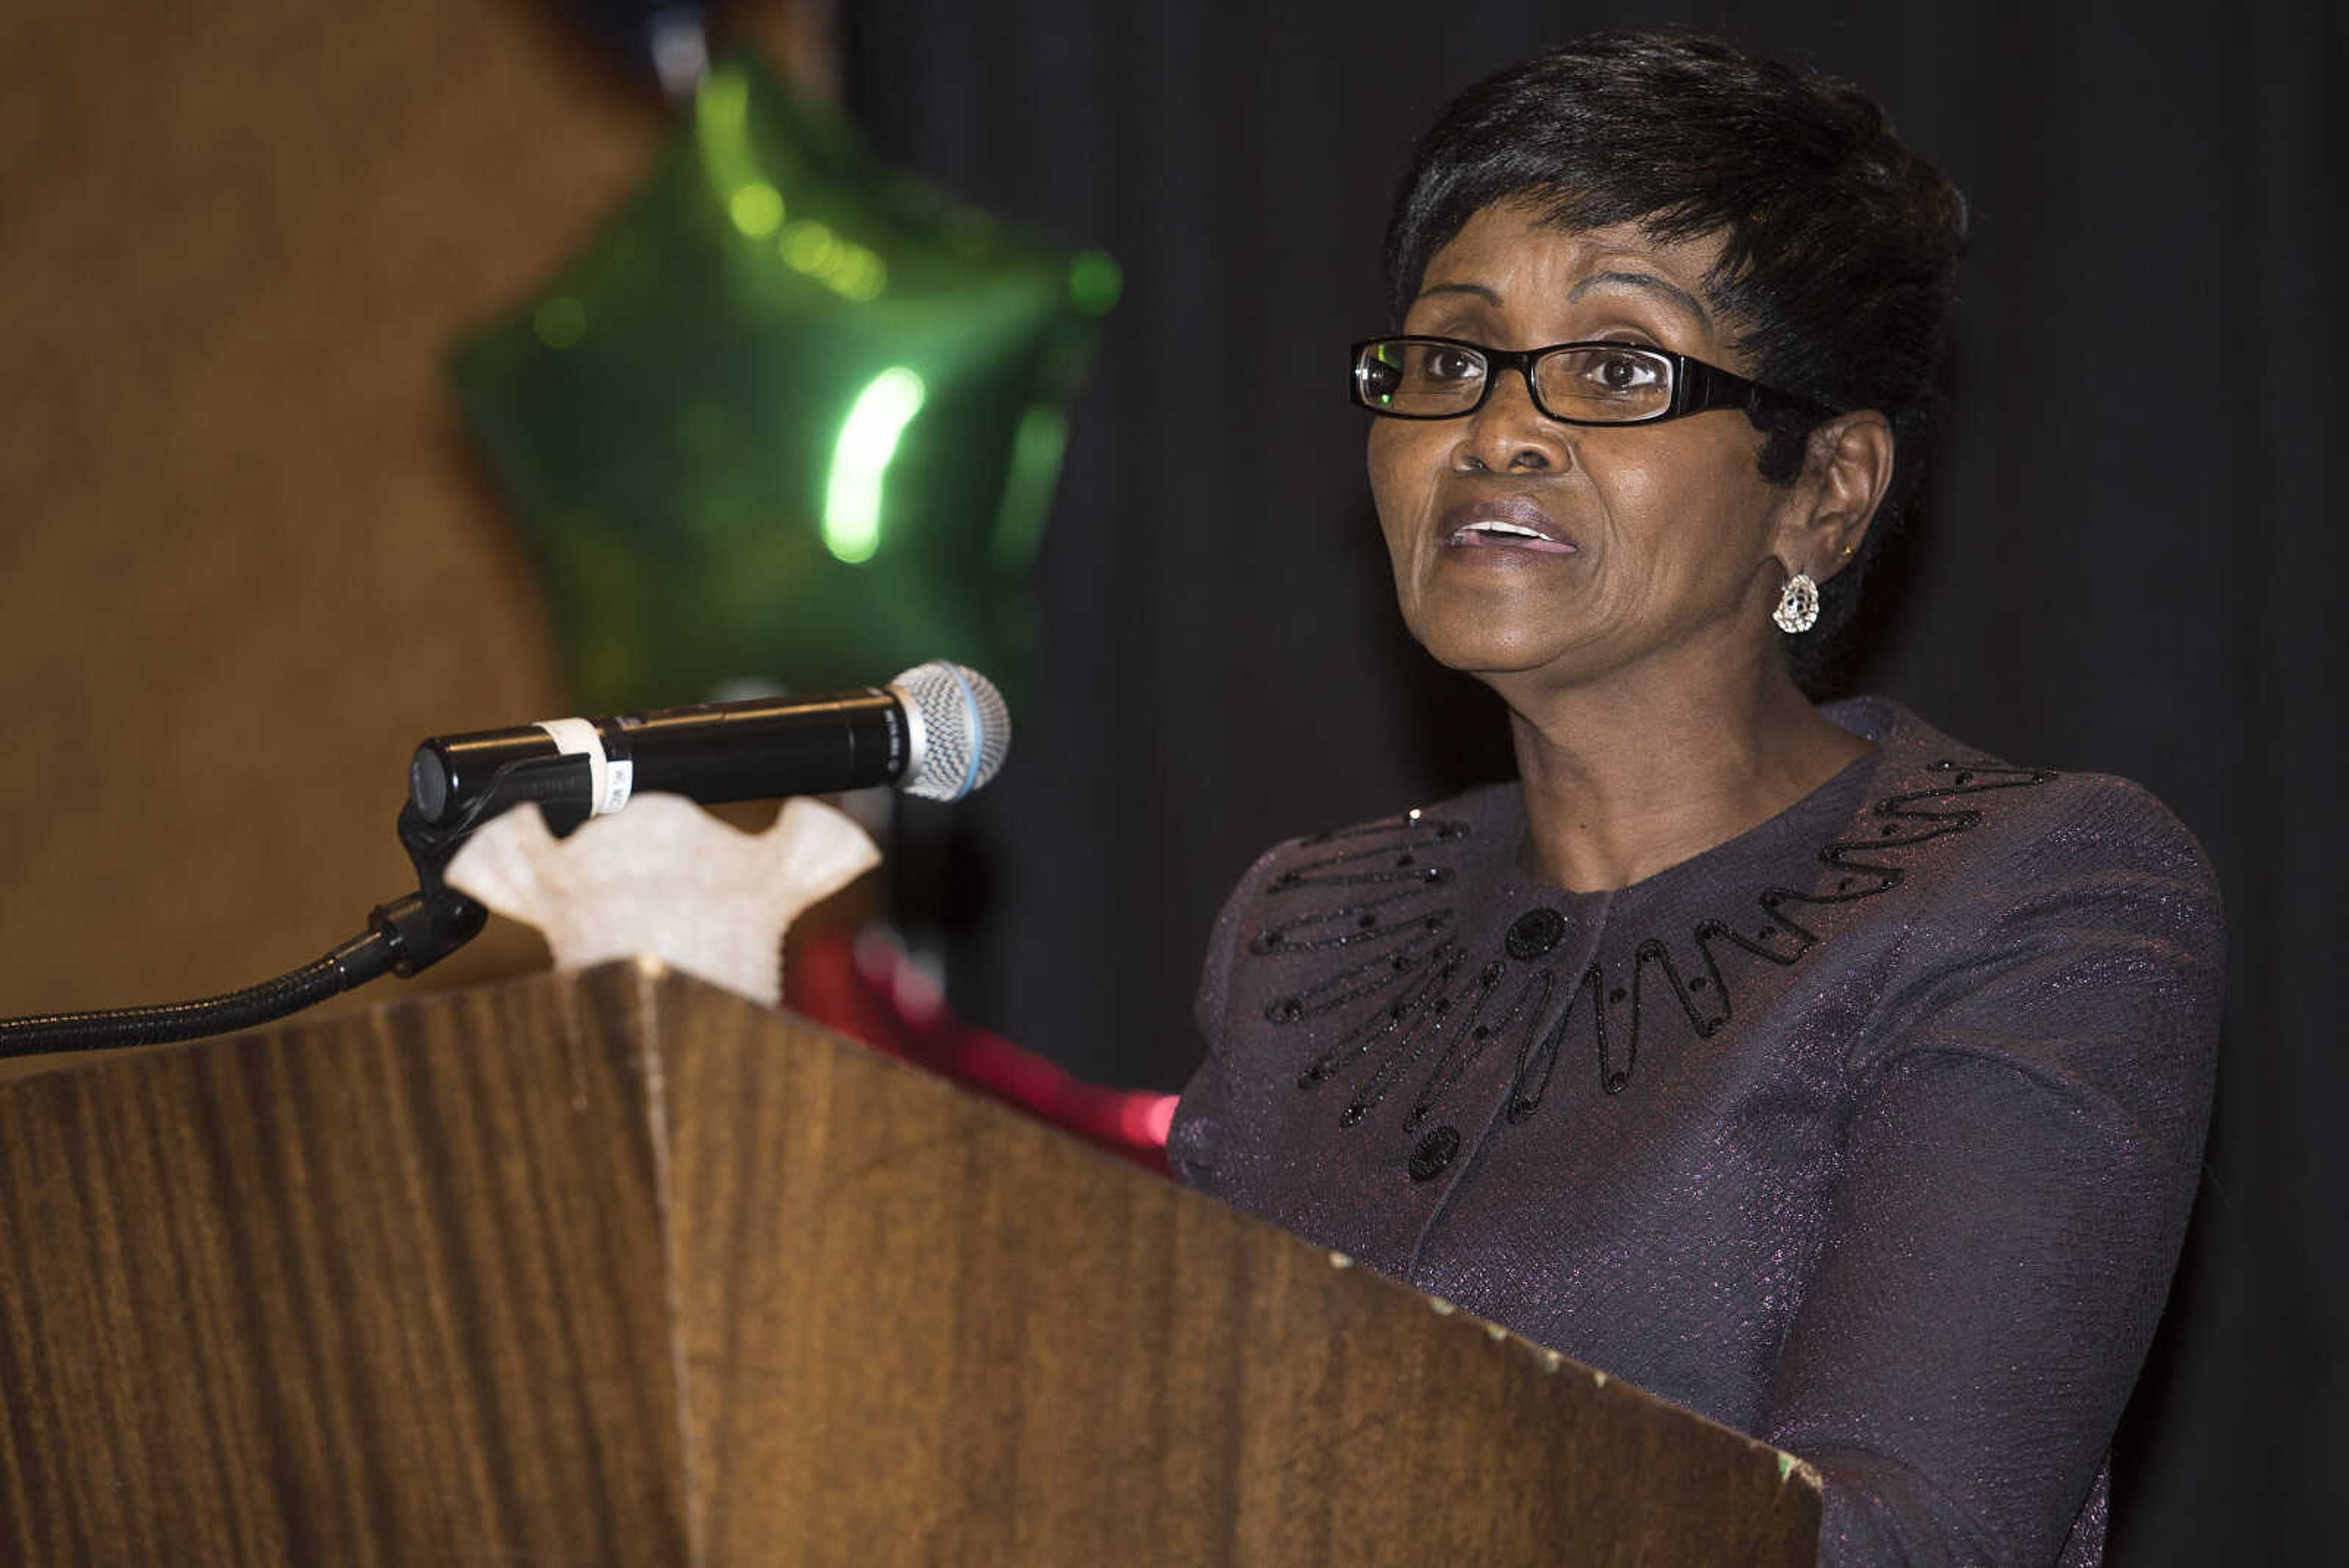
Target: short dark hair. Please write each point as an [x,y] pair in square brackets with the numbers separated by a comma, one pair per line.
[1840,243]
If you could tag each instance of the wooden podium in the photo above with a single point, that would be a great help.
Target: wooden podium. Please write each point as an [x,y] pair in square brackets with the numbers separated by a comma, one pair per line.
[620,1269]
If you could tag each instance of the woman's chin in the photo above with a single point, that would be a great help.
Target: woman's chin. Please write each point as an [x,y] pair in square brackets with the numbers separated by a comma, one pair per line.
[1490,650]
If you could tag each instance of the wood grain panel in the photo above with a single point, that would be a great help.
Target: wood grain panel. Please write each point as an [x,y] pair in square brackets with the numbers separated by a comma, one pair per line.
[619,1269]
[384,1289]
[918,1330]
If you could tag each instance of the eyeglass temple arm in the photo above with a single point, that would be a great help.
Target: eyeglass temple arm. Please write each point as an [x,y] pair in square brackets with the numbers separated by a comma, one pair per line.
[1711,388]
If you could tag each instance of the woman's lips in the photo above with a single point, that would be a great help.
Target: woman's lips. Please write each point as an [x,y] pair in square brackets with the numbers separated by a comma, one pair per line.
[1503,524]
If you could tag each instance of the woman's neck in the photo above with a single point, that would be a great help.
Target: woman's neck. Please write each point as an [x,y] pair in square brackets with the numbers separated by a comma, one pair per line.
[1623,782]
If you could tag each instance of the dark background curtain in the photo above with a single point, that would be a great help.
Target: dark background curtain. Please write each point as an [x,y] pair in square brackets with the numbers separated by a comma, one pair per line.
[2125,562]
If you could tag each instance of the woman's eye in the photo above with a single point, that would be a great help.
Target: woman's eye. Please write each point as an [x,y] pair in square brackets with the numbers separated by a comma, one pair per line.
[1450,365]
[1622,372]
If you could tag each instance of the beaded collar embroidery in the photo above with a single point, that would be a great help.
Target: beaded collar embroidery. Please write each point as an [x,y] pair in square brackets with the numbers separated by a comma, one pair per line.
[1385,904]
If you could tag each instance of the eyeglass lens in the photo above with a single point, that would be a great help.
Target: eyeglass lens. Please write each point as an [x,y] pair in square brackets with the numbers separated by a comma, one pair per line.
[1604,383]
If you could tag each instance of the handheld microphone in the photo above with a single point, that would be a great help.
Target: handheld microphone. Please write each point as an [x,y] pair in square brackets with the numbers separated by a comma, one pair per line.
[939,730]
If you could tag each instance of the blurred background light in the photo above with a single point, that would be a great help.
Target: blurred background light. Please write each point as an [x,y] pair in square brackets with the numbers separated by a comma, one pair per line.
[860,460]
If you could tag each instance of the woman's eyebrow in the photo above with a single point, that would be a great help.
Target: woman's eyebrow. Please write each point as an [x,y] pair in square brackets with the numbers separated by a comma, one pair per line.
[1649,281]
[1477,289]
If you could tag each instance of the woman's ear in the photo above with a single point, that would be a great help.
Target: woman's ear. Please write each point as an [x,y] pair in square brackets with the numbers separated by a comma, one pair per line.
[1846,469]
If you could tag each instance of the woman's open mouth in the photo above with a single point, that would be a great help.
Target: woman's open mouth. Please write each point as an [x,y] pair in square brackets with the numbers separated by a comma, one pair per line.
[1505,536]
[1503,524]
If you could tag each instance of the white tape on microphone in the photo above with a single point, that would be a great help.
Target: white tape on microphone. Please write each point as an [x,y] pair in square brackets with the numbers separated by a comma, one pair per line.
[610,780]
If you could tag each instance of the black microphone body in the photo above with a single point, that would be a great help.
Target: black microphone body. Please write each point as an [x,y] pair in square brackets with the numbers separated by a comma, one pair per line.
[712,753]
[938,731]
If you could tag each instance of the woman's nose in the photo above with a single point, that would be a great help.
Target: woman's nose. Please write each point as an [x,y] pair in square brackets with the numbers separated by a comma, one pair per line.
[1509,433]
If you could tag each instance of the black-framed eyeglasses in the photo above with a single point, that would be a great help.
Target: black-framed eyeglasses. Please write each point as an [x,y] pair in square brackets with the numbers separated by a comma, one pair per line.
[1574,383]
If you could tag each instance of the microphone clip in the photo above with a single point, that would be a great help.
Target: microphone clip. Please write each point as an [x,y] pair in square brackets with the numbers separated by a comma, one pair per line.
[435,921]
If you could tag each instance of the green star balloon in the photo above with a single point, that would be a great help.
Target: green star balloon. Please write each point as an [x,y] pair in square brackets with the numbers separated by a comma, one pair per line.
[793,419]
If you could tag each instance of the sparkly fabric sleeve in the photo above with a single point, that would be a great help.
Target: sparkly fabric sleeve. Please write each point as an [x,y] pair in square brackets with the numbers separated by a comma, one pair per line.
[2022,1152]
[1193,1144]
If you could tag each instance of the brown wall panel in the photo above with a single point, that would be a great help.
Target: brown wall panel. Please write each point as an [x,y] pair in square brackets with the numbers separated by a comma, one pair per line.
[245,559]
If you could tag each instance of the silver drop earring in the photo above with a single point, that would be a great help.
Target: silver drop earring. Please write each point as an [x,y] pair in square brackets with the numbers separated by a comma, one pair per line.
[1798,605]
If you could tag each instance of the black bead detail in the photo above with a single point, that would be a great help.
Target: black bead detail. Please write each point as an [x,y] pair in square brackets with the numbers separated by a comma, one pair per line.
[1618,994]
[1353,1115]
[1616,1080]
[1433,1153]
[1534,933]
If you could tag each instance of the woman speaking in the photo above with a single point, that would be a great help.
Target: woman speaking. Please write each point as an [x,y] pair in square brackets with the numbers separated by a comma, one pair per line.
[1801,1065]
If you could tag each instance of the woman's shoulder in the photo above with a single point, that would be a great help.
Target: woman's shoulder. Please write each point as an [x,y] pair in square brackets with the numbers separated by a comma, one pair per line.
[1378,867]
[1437,835]
[2034,892]
[2016,817]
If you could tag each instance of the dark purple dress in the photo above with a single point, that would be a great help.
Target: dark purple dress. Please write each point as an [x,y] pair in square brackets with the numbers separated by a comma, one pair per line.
[1872,1132]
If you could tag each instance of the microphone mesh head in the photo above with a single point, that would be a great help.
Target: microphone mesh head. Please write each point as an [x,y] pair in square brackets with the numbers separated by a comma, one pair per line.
[965,729]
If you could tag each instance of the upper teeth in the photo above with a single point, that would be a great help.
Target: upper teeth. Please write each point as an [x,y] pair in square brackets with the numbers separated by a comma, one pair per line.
[1499,527]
